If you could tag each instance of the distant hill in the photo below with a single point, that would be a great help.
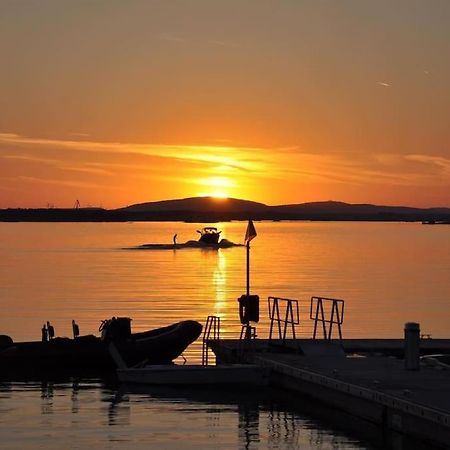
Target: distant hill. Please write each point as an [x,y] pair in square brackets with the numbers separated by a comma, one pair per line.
[209,209]
[346,211]
[198,204]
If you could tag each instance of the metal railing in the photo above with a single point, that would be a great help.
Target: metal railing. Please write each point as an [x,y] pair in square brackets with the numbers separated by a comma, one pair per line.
[210,331]
[247,332]
[289,319]
[329,312]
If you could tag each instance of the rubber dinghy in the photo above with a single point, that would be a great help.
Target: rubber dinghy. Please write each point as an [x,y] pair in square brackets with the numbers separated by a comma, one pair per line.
[90,354]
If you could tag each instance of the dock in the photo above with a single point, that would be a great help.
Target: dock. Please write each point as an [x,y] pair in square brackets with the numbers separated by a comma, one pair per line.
[363,377]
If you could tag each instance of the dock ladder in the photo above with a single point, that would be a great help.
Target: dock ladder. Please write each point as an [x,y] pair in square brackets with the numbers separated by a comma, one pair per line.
[210,332]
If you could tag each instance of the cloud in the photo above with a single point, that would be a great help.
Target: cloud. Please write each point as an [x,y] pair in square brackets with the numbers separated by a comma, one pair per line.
[61,182]
[30,158]
[171,38]
[80,134]
[234,157]
[440,164]
[246,165]
[221,43]
[382,83]
[365,169]
[89,170]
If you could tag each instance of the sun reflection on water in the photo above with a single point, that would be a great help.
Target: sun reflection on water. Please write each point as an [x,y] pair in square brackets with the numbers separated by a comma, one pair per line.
[219,279]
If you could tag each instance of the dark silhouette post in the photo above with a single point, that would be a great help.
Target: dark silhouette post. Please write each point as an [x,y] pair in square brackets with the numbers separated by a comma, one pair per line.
[75,329]
[249,235]
[175,239]
[50,331]
[44,333]
[412,346]
[248,268]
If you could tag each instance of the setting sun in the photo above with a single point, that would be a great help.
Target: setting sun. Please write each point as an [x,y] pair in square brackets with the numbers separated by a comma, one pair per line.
[218,195]
[220,186]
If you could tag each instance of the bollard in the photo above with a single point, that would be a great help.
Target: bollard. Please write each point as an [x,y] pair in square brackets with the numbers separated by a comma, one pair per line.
[412,346]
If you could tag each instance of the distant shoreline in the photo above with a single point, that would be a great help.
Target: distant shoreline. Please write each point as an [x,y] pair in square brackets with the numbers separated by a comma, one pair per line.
[209,209]
[102,215]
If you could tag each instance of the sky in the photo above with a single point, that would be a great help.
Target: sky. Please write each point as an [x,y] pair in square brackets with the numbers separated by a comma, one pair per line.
[118,102]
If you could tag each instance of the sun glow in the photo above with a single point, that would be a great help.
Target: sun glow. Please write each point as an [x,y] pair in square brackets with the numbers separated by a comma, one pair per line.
[218,187]
[218,194]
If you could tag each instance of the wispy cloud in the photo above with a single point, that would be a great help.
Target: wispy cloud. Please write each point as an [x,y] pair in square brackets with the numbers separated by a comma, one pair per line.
[89,163]
[30,158]
[221,43]
[383,83]
[60,182]
[234,157]
[366,169]
[82,135]
[88,170]
[439,163]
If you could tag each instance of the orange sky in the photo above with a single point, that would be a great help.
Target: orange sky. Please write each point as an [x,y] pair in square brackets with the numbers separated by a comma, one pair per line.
[114,103]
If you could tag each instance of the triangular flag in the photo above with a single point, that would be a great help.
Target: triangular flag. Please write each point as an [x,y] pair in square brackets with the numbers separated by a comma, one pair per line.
[251,232]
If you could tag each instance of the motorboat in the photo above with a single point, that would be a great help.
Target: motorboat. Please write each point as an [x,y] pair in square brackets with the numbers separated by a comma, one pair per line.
[91,353]
[209,235]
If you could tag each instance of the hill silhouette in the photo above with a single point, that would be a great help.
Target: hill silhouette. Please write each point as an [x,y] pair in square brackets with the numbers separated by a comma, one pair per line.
[198,204]
[210,209]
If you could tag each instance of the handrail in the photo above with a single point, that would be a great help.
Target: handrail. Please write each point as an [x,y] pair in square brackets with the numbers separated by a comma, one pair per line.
[291,316]
[212,326]
[335,309]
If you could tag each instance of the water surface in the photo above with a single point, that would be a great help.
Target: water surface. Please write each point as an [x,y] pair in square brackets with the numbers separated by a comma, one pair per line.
[387,273]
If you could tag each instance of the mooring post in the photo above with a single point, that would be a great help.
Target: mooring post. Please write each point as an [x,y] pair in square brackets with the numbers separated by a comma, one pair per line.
[412,346]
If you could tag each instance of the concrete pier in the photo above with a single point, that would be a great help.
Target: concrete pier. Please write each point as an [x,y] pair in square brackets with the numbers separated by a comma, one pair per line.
[376,388]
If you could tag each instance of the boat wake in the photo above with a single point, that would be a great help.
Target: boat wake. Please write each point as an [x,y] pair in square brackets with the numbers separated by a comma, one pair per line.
[224,243]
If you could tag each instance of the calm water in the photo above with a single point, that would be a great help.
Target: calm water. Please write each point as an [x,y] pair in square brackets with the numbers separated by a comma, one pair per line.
[91,415]
[387,273]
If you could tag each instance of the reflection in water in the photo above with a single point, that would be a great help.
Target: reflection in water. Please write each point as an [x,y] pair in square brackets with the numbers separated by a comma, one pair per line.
[261,422]
[248,424]
[47,397]
[282,427]
[93,415]
[219,281]
[119,408]
[74,397]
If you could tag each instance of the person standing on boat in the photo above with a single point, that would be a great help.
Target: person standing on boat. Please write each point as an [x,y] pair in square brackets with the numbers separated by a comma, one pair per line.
[75,329]
[50,331]
[44,333]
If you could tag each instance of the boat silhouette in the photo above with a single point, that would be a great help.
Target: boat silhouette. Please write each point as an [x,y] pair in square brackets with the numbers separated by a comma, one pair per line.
[90,353]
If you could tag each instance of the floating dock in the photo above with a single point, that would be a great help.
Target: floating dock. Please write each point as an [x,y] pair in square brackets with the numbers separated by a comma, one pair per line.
[195,375]
[363,377]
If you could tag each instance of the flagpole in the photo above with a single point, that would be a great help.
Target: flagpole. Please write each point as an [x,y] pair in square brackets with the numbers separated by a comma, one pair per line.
[248,268]
[249,235]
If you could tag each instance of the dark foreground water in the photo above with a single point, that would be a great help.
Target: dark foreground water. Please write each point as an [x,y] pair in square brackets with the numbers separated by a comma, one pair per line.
[98,414]
[90,414]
